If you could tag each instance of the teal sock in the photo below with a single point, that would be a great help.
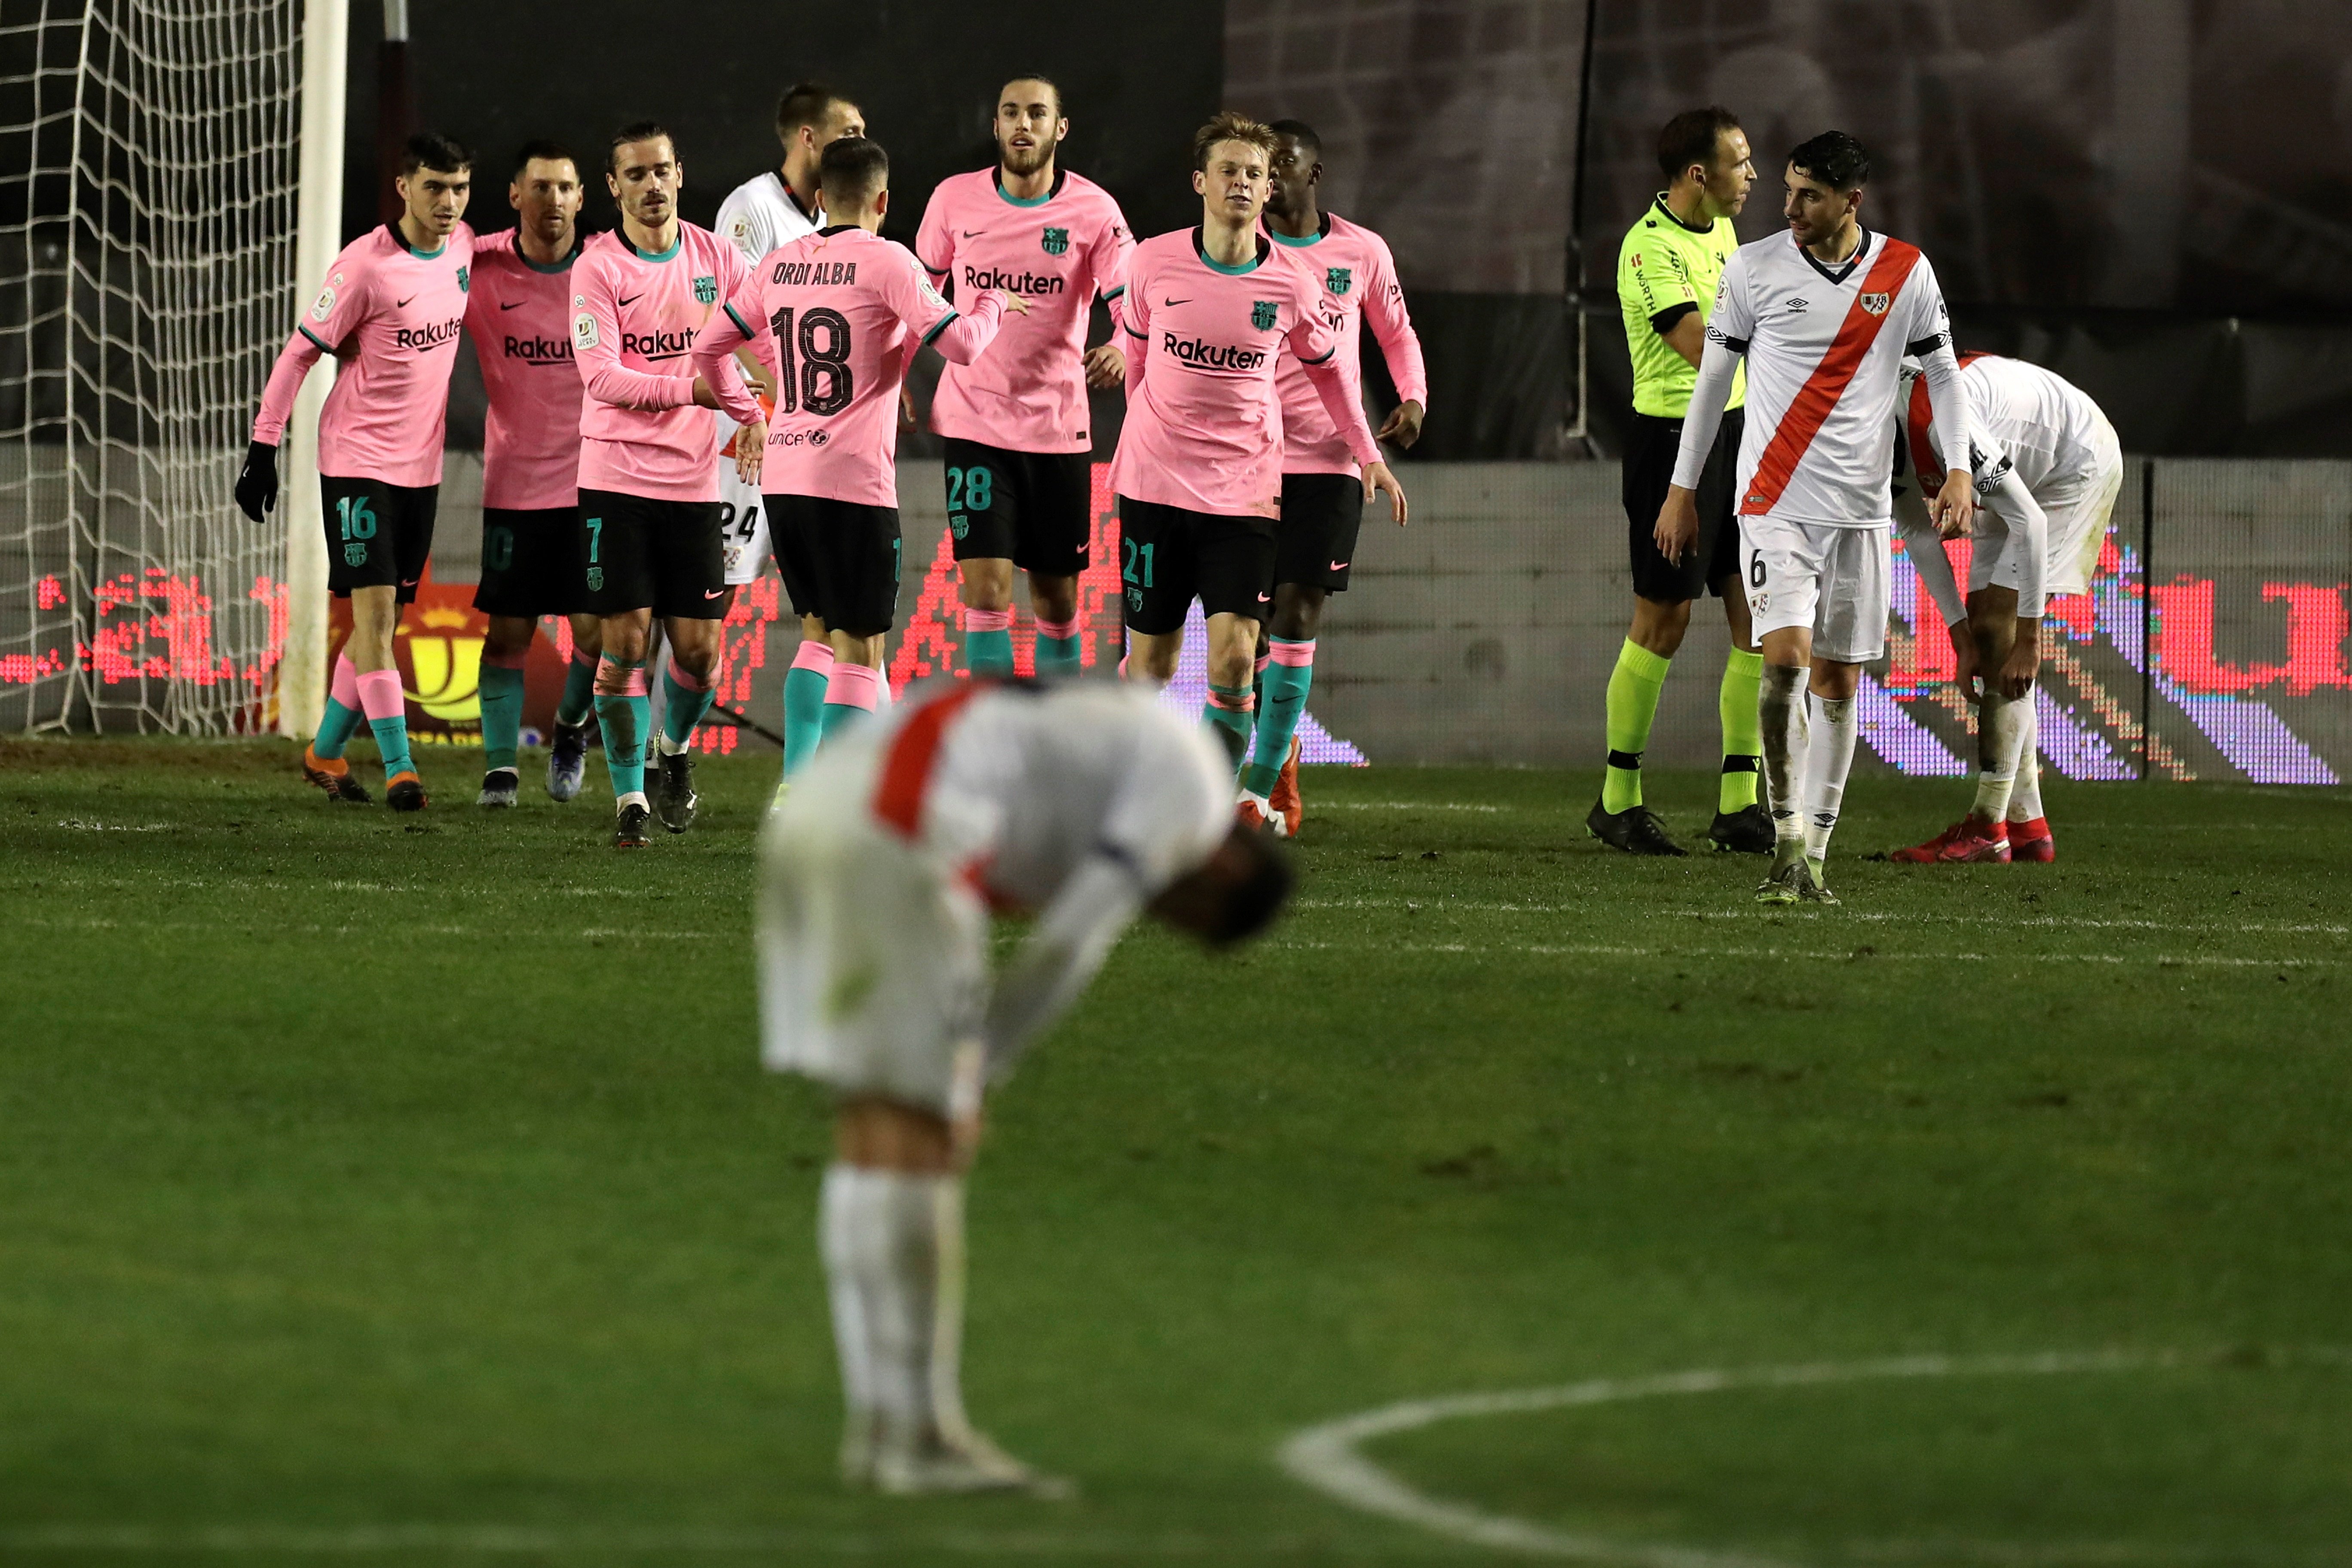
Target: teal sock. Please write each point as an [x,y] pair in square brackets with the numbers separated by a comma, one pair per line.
[624,720]
[683,706]
[501,716]
[579,690]
[1228,716]
[803,715]
[840,716]
[1057,656]
[987,653]
[392,740]
[335,728]
[1282,704]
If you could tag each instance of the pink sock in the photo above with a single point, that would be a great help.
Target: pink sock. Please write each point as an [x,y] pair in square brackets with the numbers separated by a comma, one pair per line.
[854,686]
[814,656]
[633,685]
[987,620]
[1297,655]
[1069,628]
[1263,660]
[346,689]
[688,681]
[380,694]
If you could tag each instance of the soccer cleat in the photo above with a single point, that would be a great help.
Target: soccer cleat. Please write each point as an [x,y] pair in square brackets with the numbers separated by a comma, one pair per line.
[1785,883]
[1636,830]
[567,763]
[783,788]
[674,794]
[501,787]
[404,792]
[1748,831]
[334,775]
[1967,842]
[2032,841]
[969,1463]
[1252,811]
[1284,797]
[629,827]
[1815,888]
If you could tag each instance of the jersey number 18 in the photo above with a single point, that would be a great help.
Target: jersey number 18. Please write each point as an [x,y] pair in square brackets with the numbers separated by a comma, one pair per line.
[815,378]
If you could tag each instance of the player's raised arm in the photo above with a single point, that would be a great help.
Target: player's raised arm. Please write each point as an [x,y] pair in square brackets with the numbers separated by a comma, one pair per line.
[960,336]
[1319,351]
[1391,325]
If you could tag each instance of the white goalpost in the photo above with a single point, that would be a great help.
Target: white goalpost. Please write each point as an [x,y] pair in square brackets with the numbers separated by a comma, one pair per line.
[167,185]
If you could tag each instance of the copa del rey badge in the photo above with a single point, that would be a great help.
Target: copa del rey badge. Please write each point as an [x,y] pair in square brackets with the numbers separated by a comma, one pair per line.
[1875,304]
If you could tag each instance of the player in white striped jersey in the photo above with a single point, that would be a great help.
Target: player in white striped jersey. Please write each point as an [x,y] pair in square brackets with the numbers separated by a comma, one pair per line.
[2047,467]
[1823,315]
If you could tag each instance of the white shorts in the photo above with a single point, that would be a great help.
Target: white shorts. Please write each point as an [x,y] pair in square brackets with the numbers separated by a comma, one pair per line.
[742,527]
[1830,581]
[873,959]
[2080,513]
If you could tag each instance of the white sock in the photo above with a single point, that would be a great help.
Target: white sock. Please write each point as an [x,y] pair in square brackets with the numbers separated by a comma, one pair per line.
[838,1207]
[2025,799]
[635,797]
[894,1258]
[882,698]
[667,747]
[2000,726]
[1828,759]
[1781,709]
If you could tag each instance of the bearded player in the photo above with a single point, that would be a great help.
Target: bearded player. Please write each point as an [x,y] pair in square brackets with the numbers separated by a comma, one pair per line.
[1019,445]
[837,316]
[2048,468]
[649,539]
[1084,802]
[1322,494]
[518,314]
[1823,316]
[767,211]
[390,313]
[1210,313]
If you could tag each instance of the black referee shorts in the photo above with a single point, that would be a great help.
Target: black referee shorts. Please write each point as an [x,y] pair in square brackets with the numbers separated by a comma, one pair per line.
[1651,446]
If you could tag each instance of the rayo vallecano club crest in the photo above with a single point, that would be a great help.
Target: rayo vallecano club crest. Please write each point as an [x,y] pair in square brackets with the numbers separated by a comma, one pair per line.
[1875,304]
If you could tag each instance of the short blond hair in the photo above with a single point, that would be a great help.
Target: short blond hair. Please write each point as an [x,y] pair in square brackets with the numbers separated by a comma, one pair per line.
[1230,126]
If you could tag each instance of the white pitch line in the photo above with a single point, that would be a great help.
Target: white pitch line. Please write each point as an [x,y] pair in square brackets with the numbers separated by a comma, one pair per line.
[1406,806]
[1327,1457]
[495,1540]
[1439,903]
[1614,950]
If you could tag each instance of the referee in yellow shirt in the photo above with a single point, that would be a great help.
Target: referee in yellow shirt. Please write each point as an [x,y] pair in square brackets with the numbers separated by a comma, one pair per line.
[1667,273]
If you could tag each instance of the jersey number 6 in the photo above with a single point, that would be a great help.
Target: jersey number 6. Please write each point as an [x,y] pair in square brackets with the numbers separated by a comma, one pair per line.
[815,378]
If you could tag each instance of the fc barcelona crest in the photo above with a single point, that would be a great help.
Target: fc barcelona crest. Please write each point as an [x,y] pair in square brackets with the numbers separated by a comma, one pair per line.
[1875,304]
[1339,280]
[1056,241]
[706,290]
[465,280]
[1262,313]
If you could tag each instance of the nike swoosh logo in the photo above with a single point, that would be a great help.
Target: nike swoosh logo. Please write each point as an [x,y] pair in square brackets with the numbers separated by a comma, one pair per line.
[1261,598]
[973,233]
[627,300]
[712,592]
[1165,304]
[402,304]
[411,583]
[516,305]
[1339,566]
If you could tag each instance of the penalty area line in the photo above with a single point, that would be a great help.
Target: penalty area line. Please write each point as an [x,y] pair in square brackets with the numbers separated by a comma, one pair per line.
[1617,950]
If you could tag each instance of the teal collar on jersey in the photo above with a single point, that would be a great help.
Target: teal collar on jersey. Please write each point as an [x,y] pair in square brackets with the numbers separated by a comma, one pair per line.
[1252,265]
[1322,230]
[564,266]
[420,255]
[1675,218]
[996,177]
[645,254]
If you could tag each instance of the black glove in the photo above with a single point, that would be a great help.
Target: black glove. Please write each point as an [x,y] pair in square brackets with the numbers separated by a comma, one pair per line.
[256,487]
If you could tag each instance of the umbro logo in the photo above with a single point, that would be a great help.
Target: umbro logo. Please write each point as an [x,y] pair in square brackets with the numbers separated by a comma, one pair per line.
[627,300]
[1799,304]
[514,305]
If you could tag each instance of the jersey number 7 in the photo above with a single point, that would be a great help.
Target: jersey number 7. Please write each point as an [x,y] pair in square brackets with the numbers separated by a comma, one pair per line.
[815,378]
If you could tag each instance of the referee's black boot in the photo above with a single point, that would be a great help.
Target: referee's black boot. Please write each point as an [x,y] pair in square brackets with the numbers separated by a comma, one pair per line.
[1636,830]
[1748,831]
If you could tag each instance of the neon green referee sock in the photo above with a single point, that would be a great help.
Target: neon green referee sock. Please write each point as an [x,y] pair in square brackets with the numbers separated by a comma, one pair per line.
[1743,730]
[1633,688]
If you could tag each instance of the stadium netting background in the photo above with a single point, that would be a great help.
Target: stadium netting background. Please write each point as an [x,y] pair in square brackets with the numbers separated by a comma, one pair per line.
[147,182]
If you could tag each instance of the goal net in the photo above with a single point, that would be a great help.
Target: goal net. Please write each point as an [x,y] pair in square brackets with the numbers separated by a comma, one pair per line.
[148,155]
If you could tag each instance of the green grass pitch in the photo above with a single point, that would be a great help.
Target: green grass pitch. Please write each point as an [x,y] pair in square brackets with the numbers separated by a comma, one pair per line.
[404,1190]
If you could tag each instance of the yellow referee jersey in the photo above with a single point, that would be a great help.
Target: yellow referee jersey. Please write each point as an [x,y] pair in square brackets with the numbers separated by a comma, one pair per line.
[1665,269]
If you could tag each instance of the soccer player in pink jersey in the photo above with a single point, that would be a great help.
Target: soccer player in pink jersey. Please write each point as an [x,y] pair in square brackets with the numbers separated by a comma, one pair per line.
[837,315]
[519,315]
[1322,496]
[649,480]
[1019,445]
[1211,312]
[390,313]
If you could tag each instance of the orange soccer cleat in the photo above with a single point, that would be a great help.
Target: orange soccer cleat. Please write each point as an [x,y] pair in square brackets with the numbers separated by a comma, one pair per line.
[334,775]
[1967,842]
[2032,841]
[1252,811]
[1284,796]
[404,792]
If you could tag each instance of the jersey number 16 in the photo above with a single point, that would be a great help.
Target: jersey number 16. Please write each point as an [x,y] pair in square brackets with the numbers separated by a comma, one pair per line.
[815,378]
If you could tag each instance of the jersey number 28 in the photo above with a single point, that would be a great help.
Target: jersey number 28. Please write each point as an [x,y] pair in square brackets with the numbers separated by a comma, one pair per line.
[815,357]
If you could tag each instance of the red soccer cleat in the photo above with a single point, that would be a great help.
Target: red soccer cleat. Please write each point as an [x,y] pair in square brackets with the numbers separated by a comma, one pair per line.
[1965,843]
[1284,796]
[2032,841]
[1252,811]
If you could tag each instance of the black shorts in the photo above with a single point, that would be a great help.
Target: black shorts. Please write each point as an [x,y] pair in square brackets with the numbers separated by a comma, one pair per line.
[1168,556]
[840,561]
[1029,508]
[530,564]
[1651,446]
[378,536]
[637,552]
[1315,542]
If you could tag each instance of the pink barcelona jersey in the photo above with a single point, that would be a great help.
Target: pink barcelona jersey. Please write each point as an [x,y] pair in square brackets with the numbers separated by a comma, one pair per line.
[390,315]
[1205,344]
[837,316]
[634,318]
[518,314]
[1061,252]
[1357,286]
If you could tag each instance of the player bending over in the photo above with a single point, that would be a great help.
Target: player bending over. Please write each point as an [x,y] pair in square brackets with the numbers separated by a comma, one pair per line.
[1322,493]
[2047,467]
[518,313]
[390,313]
[1019,445]
[1210,311]
[1823,316]
[836,316]
[1667,269]
[1086,802]
[648,485]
